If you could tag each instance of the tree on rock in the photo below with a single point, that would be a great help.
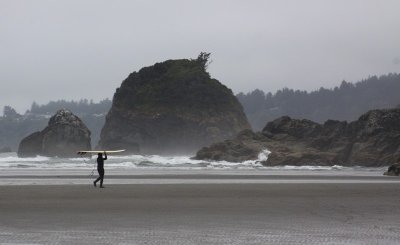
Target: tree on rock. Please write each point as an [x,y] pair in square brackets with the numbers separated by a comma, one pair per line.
[203,60]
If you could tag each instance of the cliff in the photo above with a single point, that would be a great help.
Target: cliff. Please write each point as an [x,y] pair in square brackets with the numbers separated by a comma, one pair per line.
[171,107]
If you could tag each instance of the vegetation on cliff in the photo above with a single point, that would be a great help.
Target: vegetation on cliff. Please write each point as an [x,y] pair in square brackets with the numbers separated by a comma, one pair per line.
[176,86]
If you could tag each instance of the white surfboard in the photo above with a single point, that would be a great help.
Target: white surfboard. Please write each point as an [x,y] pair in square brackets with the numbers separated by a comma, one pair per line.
[98,151]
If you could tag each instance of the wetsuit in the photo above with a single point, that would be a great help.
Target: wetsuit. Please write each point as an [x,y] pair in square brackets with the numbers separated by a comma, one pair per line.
[100,169]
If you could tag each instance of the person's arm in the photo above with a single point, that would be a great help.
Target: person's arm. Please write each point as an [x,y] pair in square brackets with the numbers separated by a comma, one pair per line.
[105,154]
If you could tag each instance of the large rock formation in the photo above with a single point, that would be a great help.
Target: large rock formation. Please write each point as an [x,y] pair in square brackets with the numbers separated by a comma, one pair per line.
[372,140]
[171,107]
[63,137]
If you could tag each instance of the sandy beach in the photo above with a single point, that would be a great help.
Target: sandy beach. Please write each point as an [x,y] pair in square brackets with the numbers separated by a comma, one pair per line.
[238,212]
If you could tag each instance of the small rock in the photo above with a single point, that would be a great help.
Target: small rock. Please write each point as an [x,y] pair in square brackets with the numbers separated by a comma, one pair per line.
[393,170]
[63,137]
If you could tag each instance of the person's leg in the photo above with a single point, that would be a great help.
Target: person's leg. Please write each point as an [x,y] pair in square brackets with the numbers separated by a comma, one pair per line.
[101,178]
[94,182]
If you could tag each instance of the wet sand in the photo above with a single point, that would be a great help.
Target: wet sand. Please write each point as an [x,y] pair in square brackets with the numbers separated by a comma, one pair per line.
[203,213]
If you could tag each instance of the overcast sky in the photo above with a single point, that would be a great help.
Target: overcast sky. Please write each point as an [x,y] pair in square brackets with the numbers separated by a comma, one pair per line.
[52,50]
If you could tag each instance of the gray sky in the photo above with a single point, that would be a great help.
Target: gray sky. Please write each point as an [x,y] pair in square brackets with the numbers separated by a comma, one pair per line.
[69,49]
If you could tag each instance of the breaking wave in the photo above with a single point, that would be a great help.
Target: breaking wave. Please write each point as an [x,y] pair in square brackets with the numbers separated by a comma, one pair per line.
[12,161]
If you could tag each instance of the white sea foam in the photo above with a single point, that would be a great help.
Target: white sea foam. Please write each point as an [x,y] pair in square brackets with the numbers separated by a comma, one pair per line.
[27,159]
[307,167]
[11,160]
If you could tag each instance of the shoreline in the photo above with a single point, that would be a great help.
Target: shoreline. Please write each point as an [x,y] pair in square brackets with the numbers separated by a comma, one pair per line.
[135,176]
[280,213]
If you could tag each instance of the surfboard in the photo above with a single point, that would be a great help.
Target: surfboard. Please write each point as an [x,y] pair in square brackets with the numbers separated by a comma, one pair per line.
[98,151]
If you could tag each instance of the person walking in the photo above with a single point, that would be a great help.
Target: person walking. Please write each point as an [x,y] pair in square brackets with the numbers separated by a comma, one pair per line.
[100,169]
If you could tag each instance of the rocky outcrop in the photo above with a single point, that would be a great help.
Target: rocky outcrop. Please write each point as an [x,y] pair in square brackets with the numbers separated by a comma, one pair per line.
[393,170]
[63,137]
[170,108]
[372,140]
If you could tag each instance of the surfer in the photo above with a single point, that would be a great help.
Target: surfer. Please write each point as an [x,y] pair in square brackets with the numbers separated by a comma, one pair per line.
[100,168]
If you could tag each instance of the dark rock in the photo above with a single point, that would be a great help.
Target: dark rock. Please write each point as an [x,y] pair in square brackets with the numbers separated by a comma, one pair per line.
[393,170]
[296,128]
[171,107]
[244,148]
[372,140]
[31,145]
[63,137]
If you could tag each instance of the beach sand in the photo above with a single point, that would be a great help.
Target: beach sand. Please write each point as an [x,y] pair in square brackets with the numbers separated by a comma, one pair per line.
[202,213]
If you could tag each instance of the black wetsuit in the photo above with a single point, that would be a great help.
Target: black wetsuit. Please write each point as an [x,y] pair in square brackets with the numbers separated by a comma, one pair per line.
[100,169]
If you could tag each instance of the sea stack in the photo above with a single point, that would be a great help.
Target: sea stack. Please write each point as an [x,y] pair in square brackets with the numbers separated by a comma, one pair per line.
[63,137]
[173,107]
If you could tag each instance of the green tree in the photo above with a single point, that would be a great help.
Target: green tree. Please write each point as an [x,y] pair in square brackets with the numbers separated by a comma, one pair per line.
[203,60]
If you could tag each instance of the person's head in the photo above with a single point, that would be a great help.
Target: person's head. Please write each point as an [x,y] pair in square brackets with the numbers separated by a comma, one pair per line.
[99,155]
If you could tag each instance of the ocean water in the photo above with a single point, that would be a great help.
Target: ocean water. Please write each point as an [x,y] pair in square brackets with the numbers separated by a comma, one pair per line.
[11,161]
